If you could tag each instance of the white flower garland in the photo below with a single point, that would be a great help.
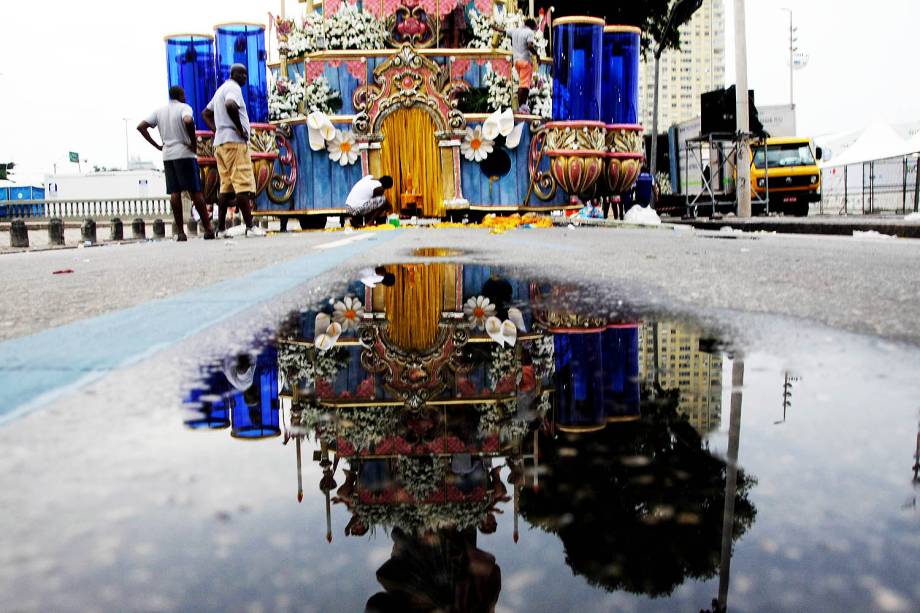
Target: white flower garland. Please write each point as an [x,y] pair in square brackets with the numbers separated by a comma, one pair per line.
[296,365]
[284,96]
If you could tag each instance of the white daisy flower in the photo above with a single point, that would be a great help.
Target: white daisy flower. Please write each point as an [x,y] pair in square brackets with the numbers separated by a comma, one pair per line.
[475,147]
[343,149]
[348,313]
[477,310]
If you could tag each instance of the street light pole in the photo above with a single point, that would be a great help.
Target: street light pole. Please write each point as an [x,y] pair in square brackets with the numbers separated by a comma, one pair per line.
[792,50]
[743,184]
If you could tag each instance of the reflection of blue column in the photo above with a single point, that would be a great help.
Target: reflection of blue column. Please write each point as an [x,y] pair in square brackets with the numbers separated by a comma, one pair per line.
[620,364]
[255,412]
[577,56]
[579,382]
[242,43]
[212,414]
[190,64]
[620,100]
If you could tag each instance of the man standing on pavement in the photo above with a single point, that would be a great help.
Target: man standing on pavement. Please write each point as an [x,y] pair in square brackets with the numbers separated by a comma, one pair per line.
[524,50]
[226,115]
[176,125]
[366,202]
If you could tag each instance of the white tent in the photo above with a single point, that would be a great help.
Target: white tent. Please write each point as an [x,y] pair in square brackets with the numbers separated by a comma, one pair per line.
[877,142]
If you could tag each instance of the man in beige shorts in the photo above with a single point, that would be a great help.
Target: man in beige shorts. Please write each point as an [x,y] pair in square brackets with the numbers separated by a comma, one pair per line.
[226,115]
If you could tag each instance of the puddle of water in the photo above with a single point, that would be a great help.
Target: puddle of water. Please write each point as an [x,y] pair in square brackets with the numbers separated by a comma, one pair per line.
[437,252]
[450,437]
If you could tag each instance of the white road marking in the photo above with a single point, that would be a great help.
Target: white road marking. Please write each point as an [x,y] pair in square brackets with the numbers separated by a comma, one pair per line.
[345,241]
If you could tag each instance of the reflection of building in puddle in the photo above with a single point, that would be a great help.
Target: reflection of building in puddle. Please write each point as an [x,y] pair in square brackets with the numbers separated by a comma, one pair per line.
[685,361]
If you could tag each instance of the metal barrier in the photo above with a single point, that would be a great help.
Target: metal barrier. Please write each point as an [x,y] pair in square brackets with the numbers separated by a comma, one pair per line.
[83,209]
[881,186]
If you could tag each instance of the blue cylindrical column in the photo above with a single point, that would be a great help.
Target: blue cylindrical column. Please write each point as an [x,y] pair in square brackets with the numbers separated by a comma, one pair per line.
[579,381]
[244,43]
[620,99]
[578,55]
[190,64]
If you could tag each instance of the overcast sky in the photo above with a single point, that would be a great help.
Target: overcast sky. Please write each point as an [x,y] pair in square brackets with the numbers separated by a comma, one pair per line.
[71,71]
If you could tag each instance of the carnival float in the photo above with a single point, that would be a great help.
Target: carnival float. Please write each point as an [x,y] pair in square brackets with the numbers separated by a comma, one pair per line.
[423,91]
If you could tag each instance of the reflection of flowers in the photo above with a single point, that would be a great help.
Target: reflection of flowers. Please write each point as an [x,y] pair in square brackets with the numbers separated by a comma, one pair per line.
[367,426]
[504,363]
[329,363]
[348,313]
[543,356]
[342,148]
[424,517]
[421,476]
[296,366]
[475,146]
[477,310]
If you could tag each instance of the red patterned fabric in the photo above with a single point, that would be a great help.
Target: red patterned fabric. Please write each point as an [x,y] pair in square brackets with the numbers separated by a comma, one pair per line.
[502,68]
[390,6]
[528,380]
[429,6]
[483,6]
[330,7]
[357,69]
[374,7]
[447,6]
[366,388]
[312,70]
[458,68]
[344,448]
[324,389]
[506,385]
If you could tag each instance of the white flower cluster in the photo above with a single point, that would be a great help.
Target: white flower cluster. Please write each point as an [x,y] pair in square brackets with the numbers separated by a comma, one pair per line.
[354,28]
[284,96]
[501,89]
[305,38]
[541,96]
[288,99]
[316,96]
[349,28]
[484,36]
[296,366]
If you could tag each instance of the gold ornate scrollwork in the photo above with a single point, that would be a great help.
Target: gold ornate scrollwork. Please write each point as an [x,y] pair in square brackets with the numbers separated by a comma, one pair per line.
[408,80]
[576,138]
[625,141]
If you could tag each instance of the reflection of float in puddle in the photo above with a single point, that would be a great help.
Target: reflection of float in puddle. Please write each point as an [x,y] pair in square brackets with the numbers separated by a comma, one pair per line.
[437,252]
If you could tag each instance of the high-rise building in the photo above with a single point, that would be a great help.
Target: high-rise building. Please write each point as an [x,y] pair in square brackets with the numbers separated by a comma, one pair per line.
[680,363]
[698,67]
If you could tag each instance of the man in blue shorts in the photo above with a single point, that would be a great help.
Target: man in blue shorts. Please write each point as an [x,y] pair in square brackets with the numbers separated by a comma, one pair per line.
[176,125]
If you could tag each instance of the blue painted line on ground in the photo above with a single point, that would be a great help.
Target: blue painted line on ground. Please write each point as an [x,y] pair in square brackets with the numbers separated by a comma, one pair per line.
[34,369]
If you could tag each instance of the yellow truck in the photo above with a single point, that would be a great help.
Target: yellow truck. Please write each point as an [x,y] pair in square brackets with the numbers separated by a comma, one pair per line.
[785,174]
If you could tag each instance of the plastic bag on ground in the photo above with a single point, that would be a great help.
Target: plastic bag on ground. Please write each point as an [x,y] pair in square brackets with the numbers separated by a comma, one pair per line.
[642,215]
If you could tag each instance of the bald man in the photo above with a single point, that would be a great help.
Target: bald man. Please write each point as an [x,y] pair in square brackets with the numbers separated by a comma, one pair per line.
[226,115]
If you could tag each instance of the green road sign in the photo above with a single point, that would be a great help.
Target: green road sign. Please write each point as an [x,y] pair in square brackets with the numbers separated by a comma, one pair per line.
[74,157]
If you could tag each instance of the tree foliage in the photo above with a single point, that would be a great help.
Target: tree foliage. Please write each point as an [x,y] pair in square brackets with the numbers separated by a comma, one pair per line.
[641,526]
[651,16]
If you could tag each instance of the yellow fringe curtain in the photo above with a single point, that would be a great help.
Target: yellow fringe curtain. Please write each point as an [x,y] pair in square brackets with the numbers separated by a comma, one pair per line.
[410,149]
[414,305]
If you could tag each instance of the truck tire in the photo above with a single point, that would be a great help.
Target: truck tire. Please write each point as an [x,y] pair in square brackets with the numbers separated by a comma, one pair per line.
[312,222]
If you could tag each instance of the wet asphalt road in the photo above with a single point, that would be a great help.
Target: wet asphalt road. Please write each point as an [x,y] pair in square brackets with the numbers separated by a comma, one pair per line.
[869,285]
[122,333]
